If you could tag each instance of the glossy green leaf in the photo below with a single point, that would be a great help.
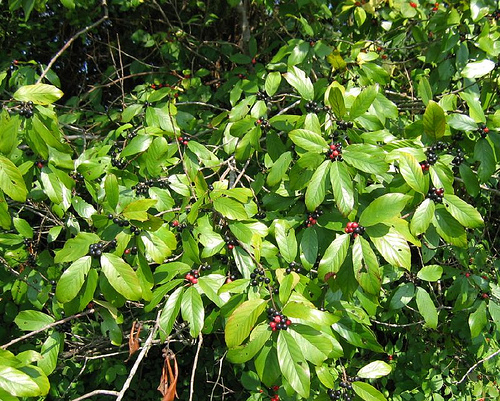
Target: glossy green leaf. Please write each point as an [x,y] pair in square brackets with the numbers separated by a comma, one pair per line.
[137,210]
[285,238]
[18,383]
[343,188]
[427,308]
[430,273]
[391,245]
[273,81]
[39,94]
[293,364]
[316,190]
[375,370]
[11,180]
[72,279]
[336,102]
[449,228]
[111,189]
[411,171]
[462,122]
[484,153]
[192,310]
[365,265]
[367,392]
[362,102]
[302,84]
[76,247]
[422,217]
[424,90]
[242,320]
[315,346]
[31,320]
[334,256]
[402,296]
[279,169]
[50,352]
[434,120]
[383,209]
[309,248]
[477,69]
[121,276]
[23,227]
[258,337]
[287,285]
[230,208]
[466,215]
[477,320]
[308,140]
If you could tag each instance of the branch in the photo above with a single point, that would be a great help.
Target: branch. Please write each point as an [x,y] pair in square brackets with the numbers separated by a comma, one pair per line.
[245,28]
[476,365]
[398,325]
[96,392]
[145,349]
[72,39]
[49,326]
[193,371]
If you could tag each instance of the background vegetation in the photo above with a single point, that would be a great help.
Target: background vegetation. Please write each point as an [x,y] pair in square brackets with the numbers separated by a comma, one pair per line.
[255,200]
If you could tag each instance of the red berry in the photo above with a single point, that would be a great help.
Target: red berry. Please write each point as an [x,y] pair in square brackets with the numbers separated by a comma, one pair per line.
[127,251]
[354,224]
[412,4]
[335,153]
[176,94]
[274,329]
[331,156]
[188,277]
[277,319]
[357,4]
[349,225]
[228,280]
[435,8]
[175,223]
[486,130]
[288,322]
[485,296]
[276,388]
[467,275]
[254,61]
[347,230]
[230,246]
[194,280]
[384,56]
[39,164]
[311,219]
[485,277]
[308,224]
[272,325]
[390,357]
[333,147]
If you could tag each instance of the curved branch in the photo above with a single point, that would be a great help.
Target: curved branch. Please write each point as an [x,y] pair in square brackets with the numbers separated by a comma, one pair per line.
[476,365]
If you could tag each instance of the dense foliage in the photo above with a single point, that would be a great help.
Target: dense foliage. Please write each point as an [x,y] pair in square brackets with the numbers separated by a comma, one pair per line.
[284,199]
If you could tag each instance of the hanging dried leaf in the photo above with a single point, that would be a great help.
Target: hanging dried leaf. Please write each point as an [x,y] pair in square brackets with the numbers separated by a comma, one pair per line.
[168,381]
[134,340]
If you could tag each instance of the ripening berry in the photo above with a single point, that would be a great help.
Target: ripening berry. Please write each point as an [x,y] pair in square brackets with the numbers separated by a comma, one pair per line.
[412,4]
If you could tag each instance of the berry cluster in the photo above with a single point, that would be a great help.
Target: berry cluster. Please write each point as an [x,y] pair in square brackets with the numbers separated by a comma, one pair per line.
[432,156]
[436,7]
[178,225]
[314,107]
[344,125]
[258,277]
[26,109]
[184,140]
[263,96]
[334,152]
[459,158]
[205,267]
[496,14]
[436,194]
[312,41]
[41,163]
[31,247]
[117,220]
[293,267]
[95,250]
[230,242]
[263,123]
[345,390]
[354,228]
[275,397]
[231,278]
[159,86]
[119,163]
[135,230]
[483,130]
[312,218]
[277,320]
[131,251]
[142,187]
[76,176]
[192,276]
[260,215]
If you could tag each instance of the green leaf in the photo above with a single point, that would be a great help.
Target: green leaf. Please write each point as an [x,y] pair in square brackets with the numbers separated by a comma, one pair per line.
[302,84]
[430,273]
[121,276]
[258,337]
[288,283]
[18,383]
[315,345]
[50,352]
[477,69]
[138,144]
[84,209]
[365,265]
[410,169]
[156,245]
[486,156]
[11,180]
[383,209]
[342,186]
[334,256]
[470,180]
[285,238]
[39,94]
[422,217]
[192,310]
[309,248]
[427,308]
[369,163]
[230,208]
[391,245]
[240,323]
[308,140]
[75,248]
[466,215]
[279,169]
[462,122]
[137,210]
[434,120]
[374,370]
[362,102]
[449,228]
[424,90]
[170,312]
[23,227]
[316,190]
[403,295]
[367,392]
[31,320]
[273,81]
[72,279]
[477,320]
[293,364]
[111,189]
[336,102]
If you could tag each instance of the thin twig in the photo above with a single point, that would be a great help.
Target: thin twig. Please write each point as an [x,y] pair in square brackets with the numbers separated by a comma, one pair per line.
[476,365]
[200,104]
[195,363]
[72,39]
[218,376]
[49,326]
[97,392]
[145,349]
[398,325]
